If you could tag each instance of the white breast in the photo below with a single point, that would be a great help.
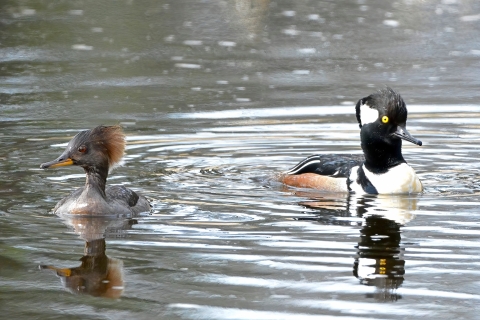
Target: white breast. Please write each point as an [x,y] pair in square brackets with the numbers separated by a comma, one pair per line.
[399,179]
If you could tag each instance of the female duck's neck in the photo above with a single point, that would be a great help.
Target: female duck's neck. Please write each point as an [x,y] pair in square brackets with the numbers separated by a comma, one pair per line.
[96,179]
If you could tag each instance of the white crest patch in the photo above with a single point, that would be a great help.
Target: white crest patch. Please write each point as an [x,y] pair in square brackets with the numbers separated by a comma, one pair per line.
[368,114]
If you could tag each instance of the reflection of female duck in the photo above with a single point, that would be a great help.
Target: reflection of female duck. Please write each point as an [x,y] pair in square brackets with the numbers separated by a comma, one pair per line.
[98,275]
[96,151]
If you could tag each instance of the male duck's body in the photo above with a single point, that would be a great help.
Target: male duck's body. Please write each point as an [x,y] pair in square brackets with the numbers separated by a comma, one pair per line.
[96,151]
[382,169]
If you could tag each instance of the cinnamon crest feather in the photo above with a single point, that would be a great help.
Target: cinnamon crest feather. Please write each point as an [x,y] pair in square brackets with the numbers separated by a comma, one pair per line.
[113,140]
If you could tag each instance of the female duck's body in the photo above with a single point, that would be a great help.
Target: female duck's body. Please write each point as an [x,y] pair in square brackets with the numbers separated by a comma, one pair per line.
[96,151]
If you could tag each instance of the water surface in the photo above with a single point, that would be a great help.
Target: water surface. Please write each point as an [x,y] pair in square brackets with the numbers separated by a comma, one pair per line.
[216,99]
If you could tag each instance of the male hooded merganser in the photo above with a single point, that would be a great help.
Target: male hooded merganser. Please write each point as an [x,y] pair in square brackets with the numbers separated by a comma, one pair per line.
[96,151]
[382,117]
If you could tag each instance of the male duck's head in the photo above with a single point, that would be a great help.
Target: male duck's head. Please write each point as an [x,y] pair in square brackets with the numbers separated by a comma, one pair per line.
[384,113]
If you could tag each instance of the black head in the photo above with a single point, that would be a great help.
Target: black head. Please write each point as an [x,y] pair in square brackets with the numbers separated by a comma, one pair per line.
[99,147]
[386,112]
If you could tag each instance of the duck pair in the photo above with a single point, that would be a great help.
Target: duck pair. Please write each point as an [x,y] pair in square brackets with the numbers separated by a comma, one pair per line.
[382,118]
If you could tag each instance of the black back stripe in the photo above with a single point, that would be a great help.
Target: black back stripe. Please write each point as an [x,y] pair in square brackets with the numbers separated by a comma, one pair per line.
[304,164]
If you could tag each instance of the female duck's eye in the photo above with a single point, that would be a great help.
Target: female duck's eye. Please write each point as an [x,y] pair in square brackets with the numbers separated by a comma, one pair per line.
[82,149]
[385,119]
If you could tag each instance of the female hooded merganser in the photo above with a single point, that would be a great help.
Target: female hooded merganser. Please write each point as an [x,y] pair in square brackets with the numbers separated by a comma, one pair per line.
[96,151]
[382,117]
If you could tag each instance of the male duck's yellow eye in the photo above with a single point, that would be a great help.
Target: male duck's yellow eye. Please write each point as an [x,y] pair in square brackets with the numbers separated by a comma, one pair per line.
[385,119]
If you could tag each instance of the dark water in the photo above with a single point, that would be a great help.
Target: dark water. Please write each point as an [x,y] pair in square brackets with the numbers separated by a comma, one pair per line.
[216,97]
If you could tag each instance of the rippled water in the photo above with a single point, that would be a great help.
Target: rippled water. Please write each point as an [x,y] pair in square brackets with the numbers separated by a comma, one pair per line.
[216,99]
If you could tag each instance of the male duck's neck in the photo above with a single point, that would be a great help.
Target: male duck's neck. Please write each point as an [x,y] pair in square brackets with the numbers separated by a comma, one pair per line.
[380,160]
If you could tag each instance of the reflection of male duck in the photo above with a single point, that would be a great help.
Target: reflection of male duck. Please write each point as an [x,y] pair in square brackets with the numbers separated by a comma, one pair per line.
[380,259]
[98,274]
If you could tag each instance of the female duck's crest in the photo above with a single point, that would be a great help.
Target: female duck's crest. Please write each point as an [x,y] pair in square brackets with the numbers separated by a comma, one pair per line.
[112,138]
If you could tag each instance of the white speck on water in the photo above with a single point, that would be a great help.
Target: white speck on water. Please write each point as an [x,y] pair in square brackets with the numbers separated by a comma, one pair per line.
[471,18]
[455,53]
[82,47]
[193,42]
[169,38]
[227,43]
[379,64]
[222,82]
[177,58]
[97,29]
[289,13]
[307,50]
[29,12]
[433,78]
[313,16]
[188,65]
[75,12]
[196,89]
[242,100]
[291,32]
[391,23]
[301,72]
[475,52]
